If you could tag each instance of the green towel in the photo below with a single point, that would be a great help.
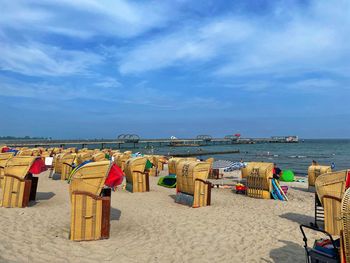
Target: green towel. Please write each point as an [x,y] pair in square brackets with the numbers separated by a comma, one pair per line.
[149,165]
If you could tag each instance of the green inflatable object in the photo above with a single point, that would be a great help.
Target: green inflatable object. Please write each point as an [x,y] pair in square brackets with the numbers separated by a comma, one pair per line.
[168,181]
[287,176]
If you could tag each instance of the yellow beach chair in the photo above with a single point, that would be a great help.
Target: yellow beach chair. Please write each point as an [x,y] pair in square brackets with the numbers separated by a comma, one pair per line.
[90,203]
[314,171]
[330,188]
[19,186]
[192,187]
[121,159]
[4,157]
[137,179]
[67,161]
[258,175]
[172,162]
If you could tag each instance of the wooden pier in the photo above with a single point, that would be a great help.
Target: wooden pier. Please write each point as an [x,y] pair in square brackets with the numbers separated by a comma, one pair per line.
[141,143]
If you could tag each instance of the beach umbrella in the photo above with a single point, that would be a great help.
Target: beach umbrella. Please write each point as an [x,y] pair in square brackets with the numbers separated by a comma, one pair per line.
[222,164]
[228,166]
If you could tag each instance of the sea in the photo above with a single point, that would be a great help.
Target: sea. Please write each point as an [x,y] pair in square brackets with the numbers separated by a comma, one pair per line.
[292,156]
[288,156]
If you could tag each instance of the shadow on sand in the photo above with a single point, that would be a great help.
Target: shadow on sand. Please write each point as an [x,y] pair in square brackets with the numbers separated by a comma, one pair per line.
[172,197]
[298,218]
[44,195]
[301,189]
[290,252]
[56,177]
[115,213]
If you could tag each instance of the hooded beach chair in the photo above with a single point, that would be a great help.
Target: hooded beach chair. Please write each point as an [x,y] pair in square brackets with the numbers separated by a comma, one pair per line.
[259,183]
[4,157]
[25,152]
[121,159]
[191,185]
[314,171]
[158,161]
[330,189]
[67,160]
[19,185]
[83,156]
[91,200]
[172,162]
[137,177]
[57,163]
[99,156]
[336,248]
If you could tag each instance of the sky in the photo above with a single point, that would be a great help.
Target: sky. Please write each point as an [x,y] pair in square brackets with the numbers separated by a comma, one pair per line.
[100,68]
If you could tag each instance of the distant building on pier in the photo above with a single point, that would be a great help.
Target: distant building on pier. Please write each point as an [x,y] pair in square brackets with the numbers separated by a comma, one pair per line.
[292,138]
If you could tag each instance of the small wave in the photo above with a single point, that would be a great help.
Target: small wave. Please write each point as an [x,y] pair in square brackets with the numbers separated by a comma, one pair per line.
[297,156]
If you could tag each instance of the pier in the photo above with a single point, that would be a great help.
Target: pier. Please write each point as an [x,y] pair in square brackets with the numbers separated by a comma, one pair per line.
[200,153]
[137,142]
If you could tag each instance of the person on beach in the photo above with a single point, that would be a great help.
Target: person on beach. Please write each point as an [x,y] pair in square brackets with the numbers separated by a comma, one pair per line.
[314,162]
[277,172]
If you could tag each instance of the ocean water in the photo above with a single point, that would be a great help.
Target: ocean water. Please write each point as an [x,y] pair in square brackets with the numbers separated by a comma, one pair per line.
[293,156]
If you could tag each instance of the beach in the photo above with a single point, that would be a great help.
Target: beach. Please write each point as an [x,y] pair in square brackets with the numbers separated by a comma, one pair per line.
[151,227]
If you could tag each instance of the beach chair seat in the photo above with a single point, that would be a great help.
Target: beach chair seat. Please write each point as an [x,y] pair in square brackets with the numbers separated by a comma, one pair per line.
[137,178]
[19,185]
[91,200]
[258,175]
[192,187]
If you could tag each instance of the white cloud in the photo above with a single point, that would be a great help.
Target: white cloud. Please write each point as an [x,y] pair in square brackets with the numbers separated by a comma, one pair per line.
[291,40]
[191,44]
[36,59]
[85,18]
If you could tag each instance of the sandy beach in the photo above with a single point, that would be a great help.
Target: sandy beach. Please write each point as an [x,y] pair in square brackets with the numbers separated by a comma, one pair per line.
[151,227]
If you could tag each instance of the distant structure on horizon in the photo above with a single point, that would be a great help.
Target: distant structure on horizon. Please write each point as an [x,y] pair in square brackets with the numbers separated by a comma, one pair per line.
[291,138]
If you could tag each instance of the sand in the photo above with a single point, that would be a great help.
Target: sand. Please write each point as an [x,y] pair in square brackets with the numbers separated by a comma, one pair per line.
[151,227]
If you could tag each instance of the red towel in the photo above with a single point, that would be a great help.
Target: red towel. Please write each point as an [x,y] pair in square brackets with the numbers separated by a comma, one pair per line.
[115,176]
[347,184]
[38,167]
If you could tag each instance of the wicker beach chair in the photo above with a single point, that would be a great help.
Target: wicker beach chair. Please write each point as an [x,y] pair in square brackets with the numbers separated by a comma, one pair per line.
[4,157]
[98,156]
[83,156]
[121,160]
[67,160]
[137,178]
[314,171]
[172,162]
[330,189]
[57,163]
[192,187]
[19,186]
[90,202]
[25,152]
[158,162]
[258,175]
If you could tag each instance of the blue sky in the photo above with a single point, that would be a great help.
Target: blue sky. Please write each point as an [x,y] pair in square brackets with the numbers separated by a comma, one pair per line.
[93,69]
